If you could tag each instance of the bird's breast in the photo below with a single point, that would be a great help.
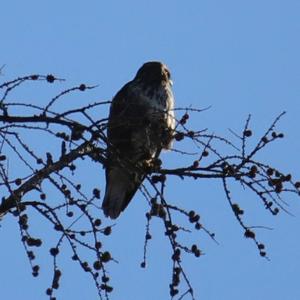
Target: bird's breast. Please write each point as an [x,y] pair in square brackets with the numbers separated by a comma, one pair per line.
[158,100]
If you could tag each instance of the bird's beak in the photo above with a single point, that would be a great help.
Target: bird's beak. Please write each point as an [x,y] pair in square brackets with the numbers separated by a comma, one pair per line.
[171,82]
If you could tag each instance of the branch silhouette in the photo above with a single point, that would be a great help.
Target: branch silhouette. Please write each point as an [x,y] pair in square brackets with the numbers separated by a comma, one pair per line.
[81,137]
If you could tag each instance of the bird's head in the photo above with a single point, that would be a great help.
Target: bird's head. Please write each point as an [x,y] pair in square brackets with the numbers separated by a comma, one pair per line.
[153,71]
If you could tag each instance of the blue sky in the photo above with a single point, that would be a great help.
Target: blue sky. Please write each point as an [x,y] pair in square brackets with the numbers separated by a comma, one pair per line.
[238,57]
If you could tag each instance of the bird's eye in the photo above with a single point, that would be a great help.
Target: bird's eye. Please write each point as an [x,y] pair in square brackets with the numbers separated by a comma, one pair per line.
[168,73]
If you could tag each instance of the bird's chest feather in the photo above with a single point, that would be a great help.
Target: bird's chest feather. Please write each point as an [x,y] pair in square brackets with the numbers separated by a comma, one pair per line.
[158,101]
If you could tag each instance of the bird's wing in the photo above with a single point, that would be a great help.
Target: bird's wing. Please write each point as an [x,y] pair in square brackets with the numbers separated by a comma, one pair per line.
[127,149]
[125,119]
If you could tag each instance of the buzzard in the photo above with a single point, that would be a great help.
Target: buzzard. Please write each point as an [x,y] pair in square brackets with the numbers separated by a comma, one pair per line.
[141,123]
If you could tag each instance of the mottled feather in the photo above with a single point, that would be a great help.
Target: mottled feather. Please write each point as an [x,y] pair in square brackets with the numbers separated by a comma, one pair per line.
[141,124]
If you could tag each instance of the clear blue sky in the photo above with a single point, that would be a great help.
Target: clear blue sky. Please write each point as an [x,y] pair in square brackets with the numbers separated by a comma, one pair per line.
[239,57]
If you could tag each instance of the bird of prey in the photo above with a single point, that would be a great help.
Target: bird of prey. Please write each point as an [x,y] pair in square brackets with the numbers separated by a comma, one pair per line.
[141,123]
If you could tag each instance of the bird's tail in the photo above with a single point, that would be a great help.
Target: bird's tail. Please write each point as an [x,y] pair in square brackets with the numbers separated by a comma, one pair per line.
[120,188]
